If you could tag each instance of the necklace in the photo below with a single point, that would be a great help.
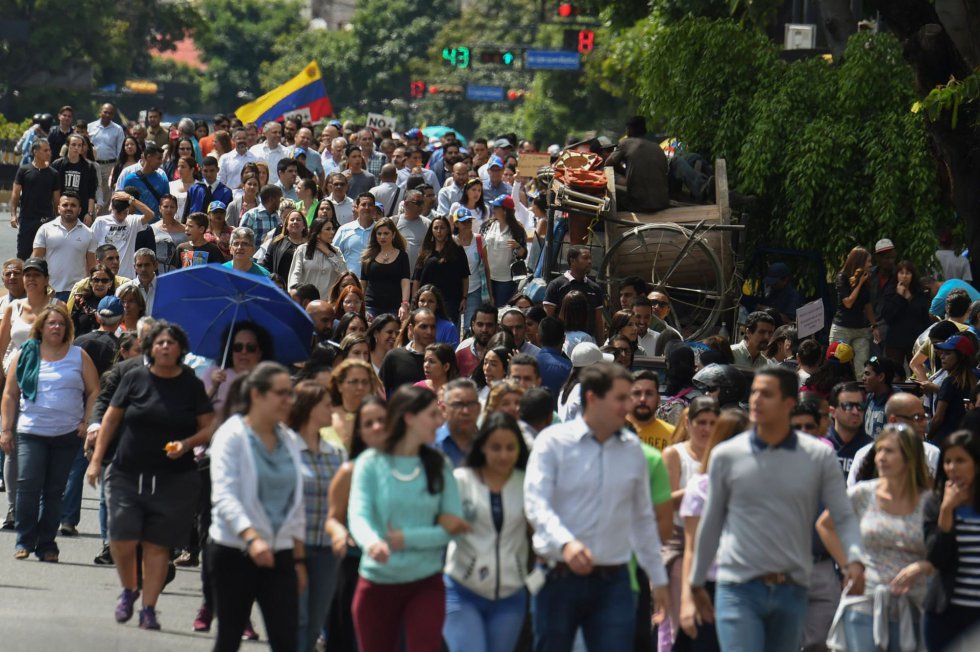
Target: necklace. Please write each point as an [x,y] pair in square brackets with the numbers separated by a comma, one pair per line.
[385,256]
[406,477]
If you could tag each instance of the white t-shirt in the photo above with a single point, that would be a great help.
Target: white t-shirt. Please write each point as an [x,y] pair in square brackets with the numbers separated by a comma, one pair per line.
[476,270]
[66,252]
[122,235]
[343,209]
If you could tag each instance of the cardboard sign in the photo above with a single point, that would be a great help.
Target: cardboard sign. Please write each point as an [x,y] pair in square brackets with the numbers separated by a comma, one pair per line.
[378,122]
[528,163]
[809,318]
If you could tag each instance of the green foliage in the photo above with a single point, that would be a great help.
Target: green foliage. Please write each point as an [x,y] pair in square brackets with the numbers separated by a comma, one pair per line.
[950,97]
[12,130]
[236,37]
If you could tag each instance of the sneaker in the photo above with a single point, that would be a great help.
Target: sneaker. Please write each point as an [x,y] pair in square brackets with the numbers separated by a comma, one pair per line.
[124,608]
[68,530]
[9,523]
[21,553]
[51,556]
[250,634]
[104,558]
[148,618]
[203,621]
[187,559]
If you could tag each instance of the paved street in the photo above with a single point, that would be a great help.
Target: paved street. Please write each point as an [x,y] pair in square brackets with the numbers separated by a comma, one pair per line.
[69,605]
[8,236]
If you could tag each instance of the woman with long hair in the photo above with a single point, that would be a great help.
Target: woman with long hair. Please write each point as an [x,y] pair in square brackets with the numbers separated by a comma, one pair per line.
[429,296]
[134,307]
[247,199]
[350,323]
[180,149]
[624,323]
[956,355]
[729,423]
[130,154]
[152,486]
[472,200]
[279,256]
[854,321]
[257,550]
[311,411]
[382,335]
[442,262]
[906,311]
[476,257]
[354,347]
[439,366]
[350,383]
[385,271]
[399,496]
[309,196]
[952,520]
[187,173]
[506,243]
[492,369]
[486,567]
[85,305]
[505,396]
[574,314]
[346,280]
[890,512]
[683,461]
[222,143]
[317,261]
[368,433]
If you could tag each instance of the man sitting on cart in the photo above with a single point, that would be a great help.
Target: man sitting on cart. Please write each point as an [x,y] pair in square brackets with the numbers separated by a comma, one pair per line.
[643,166]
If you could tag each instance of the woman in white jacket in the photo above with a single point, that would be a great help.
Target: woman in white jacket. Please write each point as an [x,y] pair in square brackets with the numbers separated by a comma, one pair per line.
[486,568]
[257,516]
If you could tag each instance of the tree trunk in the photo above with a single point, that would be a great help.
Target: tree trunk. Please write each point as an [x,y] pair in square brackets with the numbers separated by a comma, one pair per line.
[839,24]
[935,58]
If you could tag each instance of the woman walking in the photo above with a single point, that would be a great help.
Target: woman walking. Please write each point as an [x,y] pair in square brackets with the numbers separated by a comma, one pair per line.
[854,321]
[317,261]
[398,495]
[506,243]
[385,271]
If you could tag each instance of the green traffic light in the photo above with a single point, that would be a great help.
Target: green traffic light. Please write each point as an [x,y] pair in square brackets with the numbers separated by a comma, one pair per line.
[508,58]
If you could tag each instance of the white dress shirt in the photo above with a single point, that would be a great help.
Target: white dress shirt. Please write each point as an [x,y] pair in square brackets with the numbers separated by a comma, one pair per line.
[599,494]
[107,140]
[271,155]
[230,167]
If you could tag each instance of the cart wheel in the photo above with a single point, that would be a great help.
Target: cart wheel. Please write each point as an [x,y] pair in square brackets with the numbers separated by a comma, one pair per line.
[668,257]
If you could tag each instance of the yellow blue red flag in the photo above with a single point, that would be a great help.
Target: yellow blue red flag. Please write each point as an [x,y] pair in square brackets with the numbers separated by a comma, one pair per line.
[304,94]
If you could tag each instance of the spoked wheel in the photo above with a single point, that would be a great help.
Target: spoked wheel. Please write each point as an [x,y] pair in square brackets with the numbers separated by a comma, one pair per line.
[671,257]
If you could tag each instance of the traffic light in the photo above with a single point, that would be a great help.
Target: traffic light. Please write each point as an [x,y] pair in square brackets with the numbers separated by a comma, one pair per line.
[579,40]
[448,91]
[458,57]
[417,88]
[499,57]
[515,94]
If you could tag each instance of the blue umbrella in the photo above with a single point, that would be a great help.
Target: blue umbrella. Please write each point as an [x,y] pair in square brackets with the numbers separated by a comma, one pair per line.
[207,300]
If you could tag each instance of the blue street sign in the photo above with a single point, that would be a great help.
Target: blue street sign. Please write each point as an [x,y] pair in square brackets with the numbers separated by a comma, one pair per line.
[485,93]
[552,60]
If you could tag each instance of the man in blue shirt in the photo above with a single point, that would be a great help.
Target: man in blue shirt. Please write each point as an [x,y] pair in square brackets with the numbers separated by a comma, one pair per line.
[352,238]
[495,186]
[149,179]
[461,406]
[242,249]
[552,363]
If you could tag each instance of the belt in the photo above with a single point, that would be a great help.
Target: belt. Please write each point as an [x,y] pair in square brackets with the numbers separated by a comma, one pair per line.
[819,558]
[107,161]
[562,569]
[773,579]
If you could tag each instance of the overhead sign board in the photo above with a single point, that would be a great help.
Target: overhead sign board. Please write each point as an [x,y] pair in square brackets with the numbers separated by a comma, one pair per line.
[552,60]
[476,93]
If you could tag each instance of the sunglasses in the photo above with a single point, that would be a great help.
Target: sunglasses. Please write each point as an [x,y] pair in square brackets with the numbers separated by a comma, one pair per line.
[100,280]
[238,347]
[659,304]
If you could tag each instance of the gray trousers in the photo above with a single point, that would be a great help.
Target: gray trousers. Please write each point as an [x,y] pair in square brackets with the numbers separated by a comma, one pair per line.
[822,600]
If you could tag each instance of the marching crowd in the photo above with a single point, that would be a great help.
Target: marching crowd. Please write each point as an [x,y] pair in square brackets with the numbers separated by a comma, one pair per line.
[460,465]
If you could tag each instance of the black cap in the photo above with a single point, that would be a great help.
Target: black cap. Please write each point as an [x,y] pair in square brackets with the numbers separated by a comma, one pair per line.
[38,264]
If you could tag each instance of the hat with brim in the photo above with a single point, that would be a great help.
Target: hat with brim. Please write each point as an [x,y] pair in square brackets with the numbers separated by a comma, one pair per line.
[587,353]
[37,264]
[960,343]
[217,206]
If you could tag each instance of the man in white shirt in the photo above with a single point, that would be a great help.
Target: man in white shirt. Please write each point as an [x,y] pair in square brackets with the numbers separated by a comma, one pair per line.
[587,497]
[145,262]
[412,225]
[333,159]
[758,330]
[231,163]
[953,266]
[343,205]
[271,150]
[413,165]
[352,238]
[120,228]
[107,139]
[901,407]
[453,191]
[67,244]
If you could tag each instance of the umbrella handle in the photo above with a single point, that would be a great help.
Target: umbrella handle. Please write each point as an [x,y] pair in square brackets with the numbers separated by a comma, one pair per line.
[231,334]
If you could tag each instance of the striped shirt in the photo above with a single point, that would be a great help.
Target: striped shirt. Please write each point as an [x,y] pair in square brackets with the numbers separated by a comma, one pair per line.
[318,470]
[966,590]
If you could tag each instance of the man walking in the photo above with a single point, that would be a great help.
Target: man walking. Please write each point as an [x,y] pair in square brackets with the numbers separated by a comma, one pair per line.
[107,140]
[36,191]
[67,245]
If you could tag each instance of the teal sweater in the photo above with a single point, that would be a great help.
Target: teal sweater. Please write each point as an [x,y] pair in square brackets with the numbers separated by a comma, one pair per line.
[380,502]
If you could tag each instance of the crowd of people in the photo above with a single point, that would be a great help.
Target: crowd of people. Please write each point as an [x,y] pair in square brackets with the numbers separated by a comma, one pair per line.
[458,465]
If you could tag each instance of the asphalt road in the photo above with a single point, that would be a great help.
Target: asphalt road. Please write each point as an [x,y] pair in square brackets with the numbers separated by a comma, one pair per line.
[69,605]
[8,236]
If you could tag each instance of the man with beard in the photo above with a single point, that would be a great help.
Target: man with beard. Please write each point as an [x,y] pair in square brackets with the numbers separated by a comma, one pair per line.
[470,351]
[748,353]
[645,393]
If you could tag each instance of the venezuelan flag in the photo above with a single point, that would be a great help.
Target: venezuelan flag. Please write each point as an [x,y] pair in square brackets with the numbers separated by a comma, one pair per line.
[303,94]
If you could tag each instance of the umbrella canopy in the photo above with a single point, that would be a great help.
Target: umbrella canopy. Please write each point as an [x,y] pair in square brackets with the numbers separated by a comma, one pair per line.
[439,131]
[207,300]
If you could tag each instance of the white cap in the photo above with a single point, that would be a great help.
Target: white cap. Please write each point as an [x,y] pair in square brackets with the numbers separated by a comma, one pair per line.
[883,245]
[587,353]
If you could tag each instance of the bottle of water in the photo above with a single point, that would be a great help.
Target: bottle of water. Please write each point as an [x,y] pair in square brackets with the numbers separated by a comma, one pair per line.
[723,331]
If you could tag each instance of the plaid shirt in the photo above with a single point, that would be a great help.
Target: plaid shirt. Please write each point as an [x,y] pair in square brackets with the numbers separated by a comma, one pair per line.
[375,162]
[318,470]
[261,221]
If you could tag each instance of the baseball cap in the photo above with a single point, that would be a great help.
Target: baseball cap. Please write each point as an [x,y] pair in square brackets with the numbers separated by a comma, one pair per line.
[462,214]
[299,151]
[110,306]
[502,143]
[960,343]
[883,245]
[379,206]
[554,149]
[217,206]
[414,132]
[587,353]
[503,201]
[702,404]
[336,123]
[495,161]
[37,264]
[776,272]
[840,352]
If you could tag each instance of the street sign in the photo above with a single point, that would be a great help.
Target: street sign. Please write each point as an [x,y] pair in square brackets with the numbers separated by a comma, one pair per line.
[552,60]
[378,122]
[476,93]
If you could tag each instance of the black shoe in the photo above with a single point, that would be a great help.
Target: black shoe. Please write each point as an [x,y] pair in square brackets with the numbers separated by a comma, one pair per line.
[68,530]
[8,523]
[104,558]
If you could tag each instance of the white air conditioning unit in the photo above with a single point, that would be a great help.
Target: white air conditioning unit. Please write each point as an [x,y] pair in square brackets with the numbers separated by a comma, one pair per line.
[800,37]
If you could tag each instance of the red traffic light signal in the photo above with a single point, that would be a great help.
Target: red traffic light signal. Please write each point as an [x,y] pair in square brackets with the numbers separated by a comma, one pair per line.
[417,88]
[515,94]
[565,9]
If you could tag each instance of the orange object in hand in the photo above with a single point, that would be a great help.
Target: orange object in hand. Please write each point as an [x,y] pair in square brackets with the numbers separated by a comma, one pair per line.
[172,447]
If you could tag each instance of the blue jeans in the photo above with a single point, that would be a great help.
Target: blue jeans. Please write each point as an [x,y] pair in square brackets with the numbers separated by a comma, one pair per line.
[859,633]
[43,464]
[71,507]
[477,624]
[757,617]
[321,572]
[503,291]
[601,603]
